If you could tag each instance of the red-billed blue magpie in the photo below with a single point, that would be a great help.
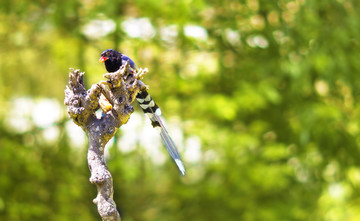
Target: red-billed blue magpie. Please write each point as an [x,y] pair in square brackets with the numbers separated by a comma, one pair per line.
[113,61]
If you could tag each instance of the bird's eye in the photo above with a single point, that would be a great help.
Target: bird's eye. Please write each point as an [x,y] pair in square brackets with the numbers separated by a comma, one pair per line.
[107,53]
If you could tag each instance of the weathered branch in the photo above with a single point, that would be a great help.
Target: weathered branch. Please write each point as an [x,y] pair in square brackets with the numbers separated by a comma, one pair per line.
[120,90]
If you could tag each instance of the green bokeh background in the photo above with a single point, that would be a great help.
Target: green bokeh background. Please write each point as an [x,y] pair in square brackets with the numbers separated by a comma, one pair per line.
[263,96]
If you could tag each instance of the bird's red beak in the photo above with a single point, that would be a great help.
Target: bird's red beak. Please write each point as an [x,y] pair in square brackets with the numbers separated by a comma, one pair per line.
[103,58]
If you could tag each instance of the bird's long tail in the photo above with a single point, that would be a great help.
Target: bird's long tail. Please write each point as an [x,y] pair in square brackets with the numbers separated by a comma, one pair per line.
[150,109]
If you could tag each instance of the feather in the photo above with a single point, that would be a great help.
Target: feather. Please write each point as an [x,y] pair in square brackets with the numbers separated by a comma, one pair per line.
[149,107]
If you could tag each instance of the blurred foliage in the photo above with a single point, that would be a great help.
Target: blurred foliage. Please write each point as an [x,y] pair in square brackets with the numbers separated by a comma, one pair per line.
[270,88]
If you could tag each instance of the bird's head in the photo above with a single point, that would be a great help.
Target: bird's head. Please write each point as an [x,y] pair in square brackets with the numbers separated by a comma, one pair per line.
[108,54]
[112,59]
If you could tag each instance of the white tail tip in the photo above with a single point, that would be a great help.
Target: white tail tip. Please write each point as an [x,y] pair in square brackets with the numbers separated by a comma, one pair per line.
[180,165]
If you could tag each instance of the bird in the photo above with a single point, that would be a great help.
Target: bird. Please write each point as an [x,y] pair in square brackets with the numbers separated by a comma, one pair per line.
[113,60]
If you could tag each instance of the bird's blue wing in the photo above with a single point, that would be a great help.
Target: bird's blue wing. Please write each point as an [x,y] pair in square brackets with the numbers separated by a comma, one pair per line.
[126,58]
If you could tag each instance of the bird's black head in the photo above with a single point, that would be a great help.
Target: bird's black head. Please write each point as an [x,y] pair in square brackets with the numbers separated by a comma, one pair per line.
[112,60]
